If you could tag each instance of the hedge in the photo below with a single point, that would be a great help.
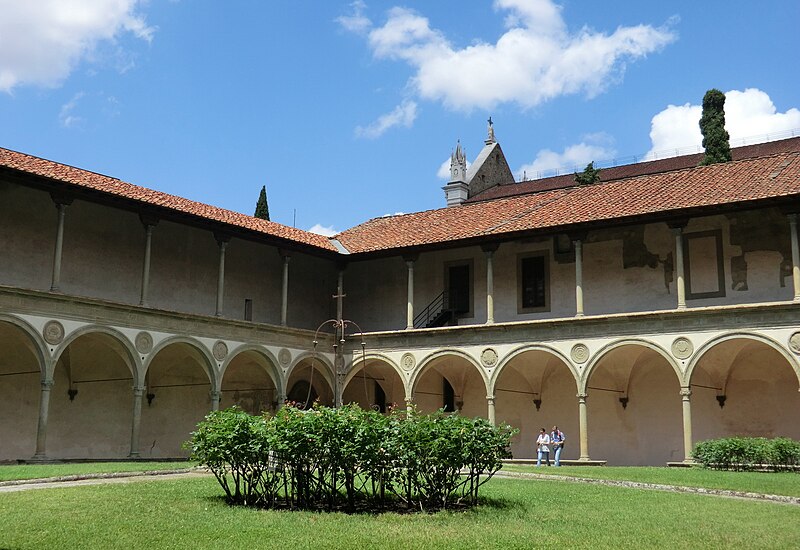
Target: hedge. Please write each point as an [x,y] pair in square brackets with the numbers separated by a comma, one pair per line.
[748,453]
[349,458]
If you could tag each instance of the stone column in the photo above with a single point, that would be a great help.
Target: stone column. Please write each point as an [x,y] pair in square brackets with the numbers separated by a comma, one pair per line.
[686,393]
[795,257]
[41,429]
[61,206]
[679,274]
[215,396]
[146,263]
[578,277]
[136,423]
[223,243]
[409,404]
[490,409]
[410,298]
[584,427]
[285,288]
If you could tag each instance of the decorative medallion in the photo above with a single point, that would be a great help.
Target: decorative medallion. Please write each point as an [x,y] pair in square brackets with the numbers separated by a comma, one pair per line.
[220,350]
[144,343]
[794,342]
[682,348]
[284,357]
[580,353]
[407,361]
[489,357]
[53,332]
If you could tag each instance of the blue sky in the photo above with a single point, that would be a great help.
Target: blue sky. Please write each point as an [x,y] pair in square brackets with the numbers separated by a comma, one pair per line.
[347,110]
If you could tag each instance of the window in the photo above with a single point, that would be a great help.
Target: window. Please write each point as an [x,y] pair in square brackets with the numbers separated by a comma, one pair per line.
[534,288]
[248,309]
[458,283]
[703,265]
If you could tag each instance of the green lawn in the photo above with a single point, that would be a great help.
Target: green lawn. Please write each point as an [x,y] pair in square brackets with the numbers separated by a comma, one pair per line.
[773,483]
[34,471]
[189,513]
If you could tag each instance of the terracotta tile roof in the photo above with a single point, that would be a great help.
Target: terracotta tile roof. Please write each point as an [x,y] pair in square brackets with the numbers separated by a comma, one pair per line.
[631,170]
[667,192]
[112,186]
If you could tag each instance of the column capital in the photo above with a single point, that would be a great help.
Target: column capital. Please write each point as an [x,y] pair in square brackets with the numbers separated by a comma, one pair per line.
[60,198]
[577,236]
[686,391]
[792,217]
[138,391]
[215,394]
[410,257]
[677,226]
[47,383]
[582,396]
[490,248]
[149,221]
[222,238]
[490,399]
[285,254]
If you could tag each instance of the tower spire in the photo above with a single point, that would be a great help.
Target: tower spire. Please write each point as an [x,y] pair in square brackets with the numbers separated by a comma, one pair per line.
[458,164]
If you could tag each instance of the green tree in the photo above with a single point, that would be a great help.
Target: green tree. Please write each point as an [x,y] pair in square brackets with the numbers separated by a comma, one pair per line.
[262,208]
[712,125]
[589,175]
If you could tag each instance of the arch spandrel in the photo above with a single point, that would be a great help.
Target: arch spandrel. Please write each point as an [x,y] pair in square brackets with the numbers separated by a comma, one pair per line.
[432,358]
[320,363]
[368,359]
[603,352]
[36,343]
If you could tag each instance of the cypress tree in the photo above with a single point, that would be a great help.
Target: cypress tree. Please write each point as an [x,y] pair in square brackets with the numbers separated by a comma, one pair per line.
[262,208]
[589,175]
[712,125]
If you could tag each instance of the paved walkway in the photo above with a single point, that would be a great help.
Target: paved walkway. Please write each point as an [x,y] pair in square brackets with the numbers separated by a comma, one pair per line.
[131,477]
[656,487]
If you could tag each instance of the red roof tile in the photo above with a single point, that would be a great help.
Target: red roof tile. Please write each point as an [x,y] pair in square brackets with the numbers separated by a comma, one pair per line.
[667,192]
[112,186]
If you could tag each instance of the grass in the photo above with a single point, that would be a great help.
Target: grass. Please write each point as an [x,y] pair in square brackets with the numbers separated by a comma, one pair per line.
[36,471]
[189,513]
[773,483]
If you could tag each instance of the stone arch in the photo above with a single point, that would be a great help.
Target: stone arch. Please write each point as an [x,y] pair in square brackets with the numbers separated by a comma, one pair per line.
[120,343]
[608,348]
[743,383]
[310,365]
[244,386]
[698,355]
[206,359]
[634,404]
[535,387]
[93,370]
[466,378]
[388,379]
[23,364]
[180,385]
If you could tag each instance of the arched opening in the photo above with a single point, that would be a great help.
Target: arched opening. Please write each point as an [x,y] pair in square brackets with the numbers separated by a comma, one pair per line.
[248,382]
[20,376]
[536,389]
[309,382]
[177,395]
[634,408]
[374,384]
[450,381]
[91,399]
[744,386]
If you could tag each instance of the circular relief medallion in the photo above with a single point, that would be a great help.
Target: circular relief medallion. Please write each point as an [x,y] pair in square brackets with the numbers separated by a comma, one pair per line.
[53,332]
[682,348]
[144,343]
[220,350]
[407,361]
[284,357]
[489,357]
[794,342]
[579,353]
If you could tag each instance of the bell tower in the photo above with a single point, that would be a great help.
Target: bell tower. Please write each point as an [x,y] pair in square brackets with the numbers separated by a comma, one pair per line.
[456,191]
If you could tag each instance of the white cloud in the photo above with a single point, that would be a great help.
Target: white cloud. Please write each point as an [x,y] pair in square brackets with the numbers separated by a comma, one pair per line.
[402,115]
[357,22]
[41,42]
[67,116]
[326,231]
[535,60]
[750,117]
[574,158]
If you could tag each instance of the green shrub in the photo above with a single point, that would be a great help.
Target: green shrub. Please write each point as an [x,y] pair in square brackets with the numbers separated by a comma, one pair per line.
[346,457]
[748,453]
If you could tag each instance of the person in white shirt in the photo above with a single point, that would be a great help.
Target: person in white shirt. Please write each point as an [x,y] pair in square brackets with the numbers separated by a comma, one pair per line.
[543,449]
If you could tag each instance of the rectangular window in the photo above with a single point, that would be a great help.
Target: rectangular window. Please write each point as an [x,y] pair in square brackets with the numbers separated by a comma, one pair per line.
[533,282]
[458,284]
[248,309]
[704,267]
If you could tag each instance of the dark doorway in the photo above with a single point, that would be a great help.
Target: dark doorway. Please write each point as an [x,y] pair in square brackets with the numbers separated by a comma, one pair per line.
[459,283]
